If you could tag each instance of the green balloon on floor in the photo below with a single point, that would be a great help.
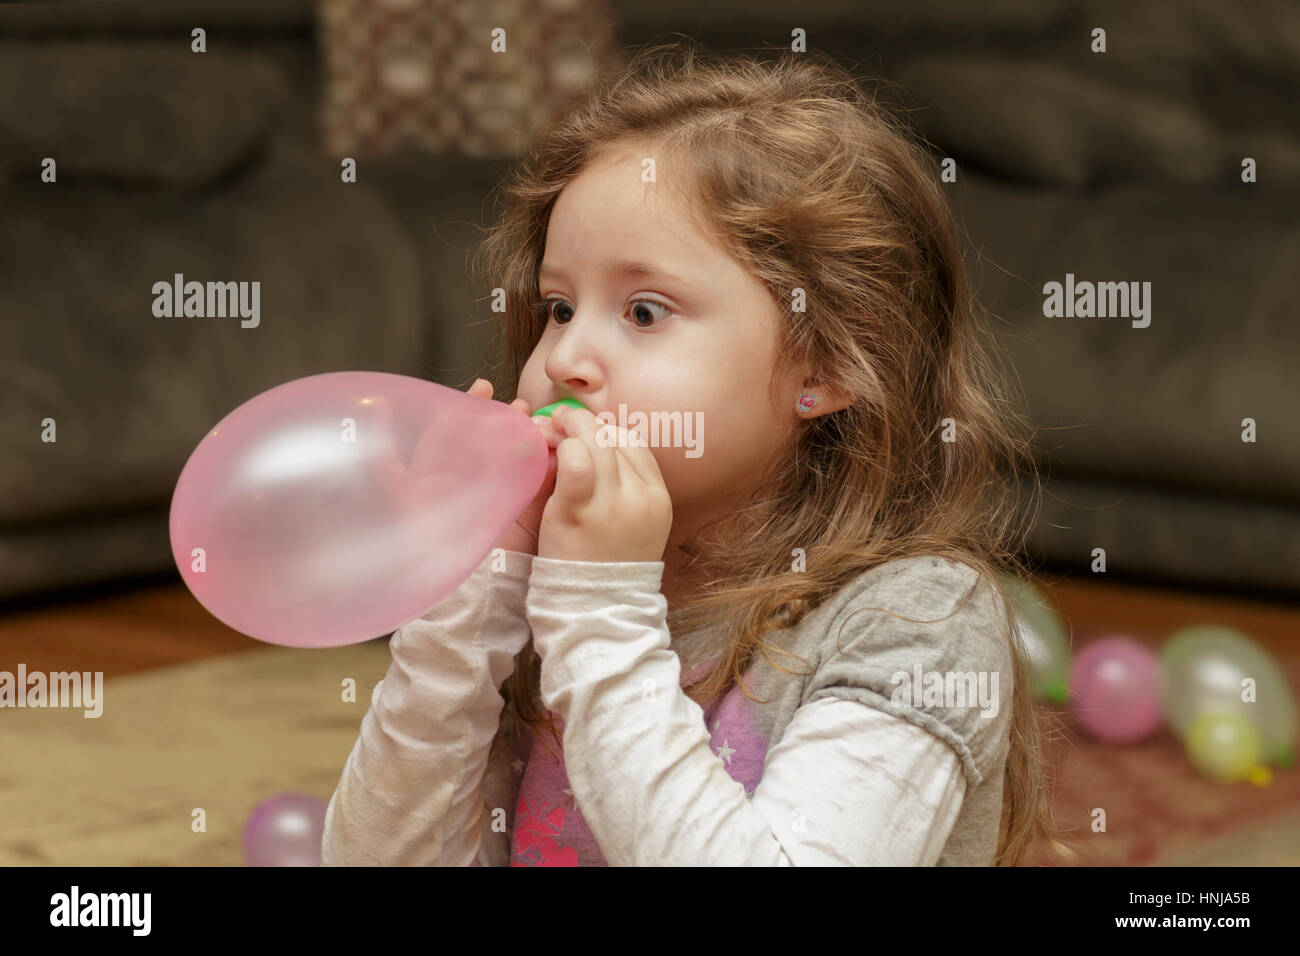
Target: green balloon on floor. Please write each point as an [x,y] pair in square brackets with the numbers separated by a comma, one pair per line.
[1043,636]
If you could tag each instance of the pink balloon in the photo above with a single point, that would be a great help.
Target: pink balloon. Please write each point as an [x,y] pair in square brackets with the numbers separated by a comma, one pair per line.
[285,830]
[335,508]
[1115,690]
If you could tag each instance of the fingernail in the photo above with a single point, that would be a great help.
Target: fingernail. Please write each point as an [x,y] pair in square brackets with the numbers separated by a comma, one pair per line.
[539,419]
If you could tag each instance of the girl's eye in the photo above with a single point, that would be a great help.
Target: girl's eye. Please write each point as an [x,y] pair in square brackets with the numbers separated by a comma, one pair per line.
[543,308]
[639,311]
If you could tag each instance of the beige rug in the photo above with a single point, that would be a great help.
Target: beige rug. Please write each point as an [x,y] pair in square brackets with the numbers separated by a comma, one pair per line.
[1270,844]
[221,734]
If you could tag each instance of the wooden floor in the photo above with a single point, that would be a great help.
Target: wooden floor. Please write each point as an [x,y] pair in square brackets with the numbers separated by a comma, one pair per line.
[199,716]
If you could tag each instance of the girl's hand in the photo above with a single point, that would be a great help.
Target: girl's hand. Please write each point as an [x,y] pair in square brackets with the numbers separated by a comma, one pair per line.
[610,503]
[522,535]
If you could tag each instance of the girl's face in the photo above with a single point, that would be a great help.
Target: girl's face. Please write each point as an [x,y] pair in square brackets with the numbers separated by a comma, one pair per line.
[694,333]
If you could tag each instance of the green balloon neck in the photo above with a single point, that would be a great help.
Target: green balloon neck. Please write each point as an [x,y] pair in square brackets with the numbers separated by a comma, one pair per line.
[550,409]
[1056,691]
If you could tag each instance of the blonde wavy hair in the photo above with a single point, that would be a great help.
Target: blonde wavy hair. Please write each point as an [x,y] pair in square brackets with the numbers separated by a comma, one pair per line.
[812,185]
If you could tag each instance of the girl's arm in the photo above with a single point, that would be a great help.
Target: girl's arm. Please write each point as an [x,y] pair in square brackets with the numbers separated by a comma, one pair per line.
[412,792]
[848,784]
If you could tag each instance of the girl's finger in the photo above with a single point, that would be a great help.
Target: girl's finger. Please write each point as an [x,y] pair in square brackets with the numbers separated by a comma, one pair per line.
[550,432]
[611,434]
[581,423]
[575,476]
[639,458]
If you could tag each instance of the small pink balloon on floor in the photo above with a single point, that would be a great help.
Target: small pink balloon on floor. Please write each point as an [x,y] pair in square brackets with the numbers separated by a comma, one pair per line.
[285,830]
[1115,690]
[336,508]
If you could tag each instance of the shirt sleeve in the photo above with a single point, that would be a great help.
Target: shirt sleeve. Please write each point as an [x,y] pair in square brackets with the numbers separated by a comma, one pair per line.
[847,784]
[411,792]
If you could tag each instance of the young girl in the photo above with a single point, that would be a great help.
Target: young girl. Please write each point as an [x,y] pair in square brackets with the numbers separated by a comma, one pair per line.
[786,645]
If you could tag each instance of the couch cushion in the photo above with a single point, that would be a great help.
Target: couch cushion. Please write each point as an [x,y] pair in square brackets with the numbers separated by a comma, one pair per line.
[1167,537]
[1215,41]
[1067,125]
[1163,405]
[138,113]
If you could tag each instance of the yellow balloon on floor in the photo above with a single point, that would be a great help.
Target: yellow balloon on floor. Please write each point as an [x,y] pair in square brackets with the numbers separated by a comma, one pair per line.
[1223,745]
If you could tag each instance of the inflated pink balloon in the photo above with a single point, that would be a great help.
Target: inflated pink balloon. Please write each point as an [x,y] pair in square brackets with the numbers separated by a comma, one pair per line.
[1115,690]
[285,830]
[334,509]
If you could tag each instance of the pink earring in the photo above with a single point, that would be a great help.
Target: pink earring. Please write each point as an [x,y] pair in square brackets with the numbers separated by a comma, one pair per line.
[806,402]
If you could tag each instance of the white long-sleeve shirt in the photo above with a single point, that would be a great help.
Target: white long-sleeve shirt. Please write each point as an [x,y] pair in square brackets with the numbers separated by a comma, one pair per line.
[849,778]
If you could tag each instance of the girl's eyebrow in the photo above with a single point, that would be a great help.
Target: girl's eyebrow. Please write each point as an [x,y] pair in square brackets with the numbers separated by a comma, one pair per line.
[631,269]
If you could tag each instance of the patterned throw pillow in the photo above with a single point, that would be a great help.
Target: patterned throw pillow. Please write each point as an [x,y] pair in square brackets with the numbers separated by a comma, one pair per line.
[424,73]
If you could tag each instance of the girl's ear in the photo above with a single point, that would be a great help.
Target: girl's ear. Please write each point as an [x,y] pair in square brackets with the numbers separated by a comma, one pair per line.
[815,400]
